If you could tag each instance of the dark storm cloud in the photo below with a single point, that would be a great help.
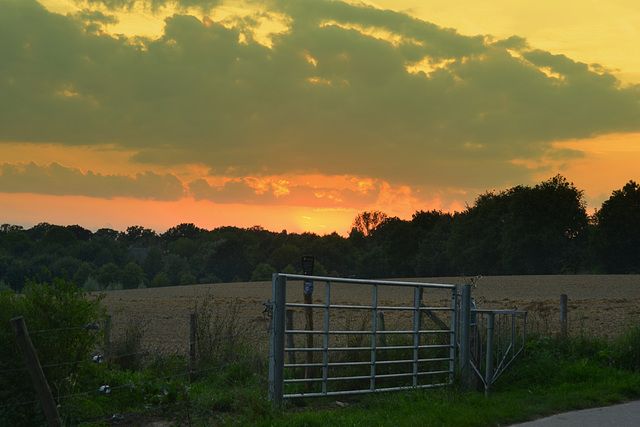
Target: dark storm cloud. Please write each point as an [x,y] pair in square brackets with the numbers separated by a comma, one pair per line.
[343,89]
[55,179]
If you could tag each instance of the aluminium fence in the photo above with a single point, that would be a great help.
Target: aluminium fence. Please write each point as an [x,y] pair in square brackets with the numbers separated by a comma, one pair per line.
[497,337]
[416,347]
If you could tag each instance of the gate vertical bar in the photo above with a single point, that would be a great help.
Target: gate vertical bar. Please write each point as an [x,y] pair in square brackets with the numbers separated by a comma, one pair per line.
[513,333]
[465,324]
[453,334]
[325,344]
[374,337]
[276,361]
[416,332]
[491,319]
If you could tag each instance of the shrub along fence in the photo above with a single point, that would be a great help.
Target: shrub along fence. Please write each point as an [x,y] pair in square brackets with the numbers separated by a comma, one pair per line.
[211,341]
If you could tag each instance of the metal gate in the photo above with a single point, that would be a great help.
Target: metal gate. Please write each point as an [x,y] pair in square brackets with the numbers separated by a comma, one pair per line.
[497,337]
[397,346]
[394,346]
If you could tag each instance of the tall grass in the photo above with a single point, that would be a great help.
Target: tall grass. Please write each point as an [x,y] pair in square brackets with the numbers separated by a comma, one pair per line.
[553,374]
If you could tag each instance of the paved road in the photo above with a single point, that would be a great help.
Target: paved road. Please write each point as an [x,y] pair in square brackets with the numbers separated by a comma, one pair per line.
[627,414]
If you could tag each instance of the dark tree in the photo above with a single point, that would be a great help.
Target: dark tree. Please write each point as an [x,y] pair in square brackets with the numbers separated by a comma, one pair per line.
[544,229]
[132,276]
[153,263]
[107,233]
[80,232]
[139,237]
[475,237]
[366,222]
[433,259]
[182,231]
[523,230]
[400,242]
[616,243]
[59,235]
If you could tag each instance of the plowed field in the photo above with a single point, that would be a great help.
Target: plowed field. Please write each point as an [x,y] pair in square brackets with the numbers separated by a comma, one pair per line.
[598,305]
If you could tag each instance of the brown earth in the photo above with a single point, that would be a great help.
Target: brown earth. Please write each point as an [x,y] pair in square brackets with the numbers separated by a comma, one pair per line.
[598,305]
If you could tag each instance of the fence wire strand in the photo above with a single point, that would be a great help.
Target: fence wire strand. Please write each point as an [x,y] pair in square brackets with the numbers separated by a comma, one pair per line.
[113,358]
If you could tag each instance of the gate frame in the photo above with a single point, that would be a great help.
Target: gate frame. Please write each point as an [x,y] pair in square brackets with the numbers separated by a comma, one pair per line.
[462,317]
[278,329]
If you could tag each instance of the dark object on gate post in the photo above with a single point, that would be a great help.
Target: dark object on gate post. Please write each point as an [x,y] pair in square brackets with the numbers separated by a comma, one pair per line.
[35,371]
[307,270]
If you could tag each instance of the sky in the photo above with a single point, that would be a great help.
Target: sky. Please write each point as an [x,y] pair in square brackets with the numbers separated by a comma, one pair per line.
[299,114]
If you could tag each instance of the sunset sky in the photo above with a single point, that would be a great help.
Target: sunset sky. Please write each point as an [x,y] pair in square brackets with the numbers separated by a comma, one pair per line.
[299,114]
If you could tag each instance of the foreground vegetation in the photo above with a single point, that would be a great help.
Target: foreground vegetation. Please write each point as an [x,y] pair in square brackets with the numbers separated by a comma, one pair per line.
[228,384]
[543,229]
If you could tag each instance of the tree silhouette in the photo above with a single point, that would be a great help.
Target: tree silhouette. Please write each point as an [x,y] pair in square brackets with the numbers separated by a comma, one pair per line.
[617,236]
[366,222]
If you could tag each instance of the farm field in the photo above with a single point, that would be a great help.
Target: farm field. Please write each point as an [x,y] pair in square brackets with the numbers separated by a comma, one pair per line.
[598,305]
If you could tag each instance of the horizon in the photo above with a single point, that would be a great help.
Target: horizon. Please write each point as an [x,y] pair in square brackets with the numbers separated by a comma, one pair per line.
[123,227]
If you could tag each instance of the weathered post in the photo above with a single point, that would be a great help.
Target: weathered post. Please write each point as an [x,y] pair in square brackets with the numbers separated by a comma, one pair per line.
[192,345]
[276,360]
[465,325]
[563,315]
[307,270]
[107,338]
[35,371]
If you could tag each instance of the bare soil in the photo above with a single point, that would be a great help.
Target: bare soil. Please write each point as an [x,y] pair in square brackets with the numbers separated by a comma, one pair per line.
[598,305]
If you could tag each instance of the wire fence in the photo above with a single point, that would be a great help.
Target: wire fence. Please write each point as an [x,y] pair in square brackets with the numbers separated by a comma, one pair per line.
[179,349]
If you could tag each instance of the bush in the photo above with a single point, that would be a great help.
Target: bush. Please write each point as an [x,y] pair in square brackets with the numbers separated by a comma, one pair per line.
[289,269]
[132,276]
[160,280]
[109,274]
[57,317]
[626,350]
[262,272]
[127,351]
[83,274]
[91,284]
[188,279]
[220,332]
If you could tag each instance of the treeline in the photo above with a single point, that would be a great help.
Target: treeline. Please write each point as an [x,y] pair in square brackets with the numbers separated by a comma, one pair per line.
[541,229]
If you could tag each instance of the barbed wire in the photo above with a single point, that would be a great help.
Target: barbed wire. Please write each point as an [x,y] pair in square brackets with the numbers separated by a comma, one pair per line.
[187,371]
[12,405]
[3,371]
[90,326]
[106,389]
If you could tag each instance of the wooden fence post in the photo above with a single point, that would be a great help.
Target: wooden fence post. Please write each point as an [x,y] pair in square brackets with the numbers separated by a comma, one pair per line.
[107,338]
[563,315]
[35,371]
[308,312]
[192,344]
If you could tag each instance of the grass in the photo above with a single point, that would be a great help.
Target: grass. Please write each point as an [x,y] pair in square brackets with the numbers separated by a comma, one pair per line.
[230,383]
[553,375]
